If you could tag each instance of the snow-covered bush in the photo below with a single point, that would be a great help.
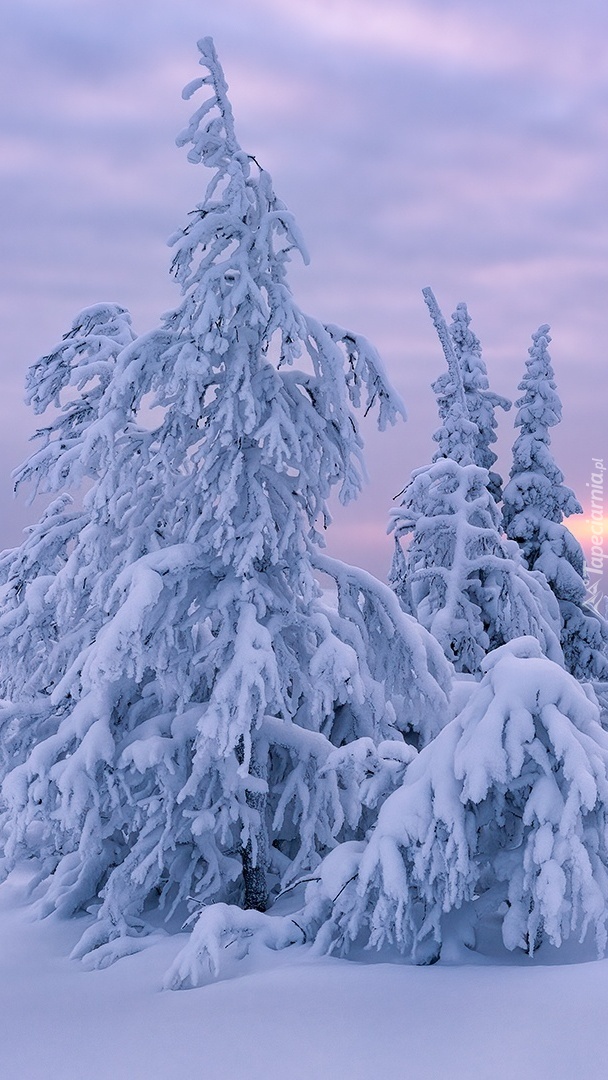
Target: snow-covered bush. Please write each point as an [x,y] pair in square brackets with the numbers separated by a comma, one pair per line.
[185,733]
[504,813]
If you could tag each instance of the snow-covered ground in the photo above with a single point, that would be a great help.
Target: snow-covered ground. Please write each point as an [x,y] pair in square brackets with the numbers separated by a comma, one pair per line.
[288,1016]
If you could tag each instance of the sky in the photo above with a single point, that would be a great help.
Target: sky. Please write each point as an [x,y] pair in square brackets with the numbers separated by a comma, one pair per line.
[460,144]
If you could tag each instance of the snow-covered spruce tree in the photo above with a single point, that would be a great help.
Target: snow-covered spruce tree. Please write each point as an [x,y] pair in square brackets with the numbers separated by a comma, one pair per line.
[505,812]
[457,575]
[536,501]
[46,582]
[481,402]
[191,733]
[503,815]
[51,585]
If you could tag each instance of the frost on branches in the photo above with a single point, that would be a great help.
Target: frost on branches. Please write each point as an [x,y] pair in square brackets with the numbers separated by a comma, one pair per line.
[179,739]
[536,501]
[503,815]
[457,575]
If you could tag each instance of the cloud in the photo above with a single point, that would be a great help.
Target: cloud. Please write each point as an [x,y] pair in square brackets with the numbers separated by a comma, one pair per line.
[457,144]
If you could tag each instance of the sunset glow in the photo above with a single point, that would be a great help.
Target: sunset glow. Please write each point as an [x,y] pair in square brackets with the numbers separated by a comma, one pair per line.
[581,526]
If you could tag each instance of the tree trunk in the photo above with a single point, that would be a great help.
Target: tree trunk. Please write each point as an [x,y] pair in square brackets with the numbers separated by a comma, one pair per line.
[255,869]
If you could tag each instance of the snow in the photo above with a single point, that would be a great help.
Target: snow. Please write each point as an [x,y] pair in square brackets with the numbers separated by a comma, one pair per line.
[289,1015]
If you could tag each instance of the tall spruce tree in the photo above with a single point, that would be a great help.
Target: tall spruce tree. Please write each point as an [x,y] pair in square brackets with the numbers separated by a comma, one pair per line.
[457,575]
[536,501]
[180,751]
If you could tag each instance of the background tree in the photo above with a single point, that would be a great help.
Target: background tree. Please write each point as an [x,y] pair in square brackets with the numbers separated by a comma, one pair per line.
[56,590]
[481,403]
[457,575]
[536,501]
[188,734]
[53,586]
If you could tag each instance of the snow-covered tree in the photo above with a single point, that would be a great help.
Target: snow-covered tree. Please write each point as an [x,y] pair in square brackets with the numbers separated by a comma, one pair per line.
[185,741]
[457,575]
[536,501]
[505,811]
[47,584]
[481,402]
[503,815]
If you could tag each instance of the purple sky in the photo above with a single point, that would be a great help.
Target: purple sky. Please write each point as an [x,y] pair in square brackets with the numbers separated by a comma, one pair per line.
[453,143]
